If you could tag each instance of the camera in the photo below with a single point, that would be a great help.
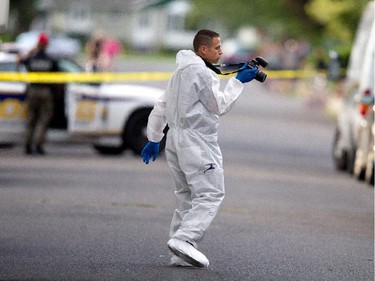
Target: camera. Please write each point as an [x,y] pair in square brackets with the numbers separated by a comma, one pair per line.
[258,61]
[227,69]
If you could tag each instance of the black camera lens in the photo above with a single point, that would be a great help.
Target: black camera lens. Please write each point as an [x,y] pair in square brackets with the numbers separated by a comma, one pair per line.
[260,76]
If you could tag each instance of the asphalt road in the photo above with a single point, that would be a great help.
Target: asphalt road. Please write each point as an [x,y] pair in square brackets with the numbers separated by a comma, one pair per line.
[287,215]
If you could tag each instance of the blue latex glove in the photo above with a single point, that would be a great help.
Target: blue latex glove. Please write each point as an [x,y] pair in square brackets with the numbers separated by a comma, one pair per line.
[243,67]
[247,74]
[151,149]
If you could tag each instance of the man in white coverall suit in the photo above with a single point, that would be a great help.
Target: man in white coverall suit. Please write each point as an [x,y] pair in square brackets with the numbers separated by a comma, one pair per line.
[190,106]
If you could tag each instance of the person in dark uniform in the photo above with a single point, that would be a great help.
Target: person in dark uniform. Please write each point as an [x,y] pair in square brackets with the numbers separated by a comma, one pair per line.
[39,96]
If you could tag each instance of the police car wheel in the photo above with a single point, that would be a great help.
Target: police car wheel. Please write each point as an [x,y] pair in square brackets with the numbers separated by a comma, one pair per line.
[135,133]
[135,130]
[108,150]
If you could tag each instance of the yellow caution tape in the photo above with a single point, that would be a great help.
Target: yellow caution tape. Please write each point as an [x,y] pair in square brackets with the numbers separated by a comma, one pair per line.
[50,77]
[292,74]
[114,77]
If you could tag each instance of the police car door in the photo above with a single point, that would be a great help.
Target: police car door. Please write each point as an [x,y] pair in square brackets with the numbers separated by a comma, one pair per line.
[12,103]
[85,109]
[83,105]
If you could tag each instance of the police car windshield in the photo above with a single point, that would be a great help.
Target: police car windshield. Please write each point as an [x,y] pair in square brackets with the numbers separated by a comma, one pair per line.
[8,66]
[66,65]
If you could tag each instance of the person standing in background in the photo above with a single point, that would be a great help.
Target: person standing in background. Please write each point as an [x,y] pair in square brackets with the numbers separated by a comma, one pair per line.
[39,96]
[94,50]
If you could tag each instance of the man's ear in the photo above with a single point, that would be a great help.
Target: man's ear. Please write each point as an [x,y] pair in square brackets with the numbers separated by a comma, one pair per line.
[202,50]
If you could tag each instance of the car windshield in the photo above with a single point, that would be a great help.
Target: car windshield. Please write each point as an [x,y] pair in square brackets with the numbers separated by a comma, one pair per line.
[8,66]
[66,65]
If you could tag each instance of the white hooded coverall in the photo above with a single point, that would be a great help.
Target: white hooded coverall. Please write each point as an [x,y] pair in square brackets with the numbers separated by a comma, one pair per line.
[190,106]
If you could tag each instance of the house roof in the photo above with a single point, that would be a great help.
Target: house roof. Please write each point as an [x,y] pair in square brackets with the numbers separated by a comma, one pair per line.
[100,5]
[158,3]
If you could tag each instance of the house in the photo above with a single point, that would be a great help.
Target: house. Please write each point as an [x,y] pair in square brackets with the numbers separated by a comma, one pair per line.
[141,24]
[4,14]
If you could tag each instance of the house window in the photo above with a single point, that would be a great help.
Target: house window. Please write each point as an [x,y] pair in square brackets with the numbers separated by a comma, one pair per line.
[79,13]
[175,23]
[116,14]
[144,20]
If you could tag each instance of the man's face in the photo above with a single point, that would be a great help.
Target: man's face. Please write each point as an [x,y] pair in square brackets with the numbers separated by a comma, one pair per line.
[212,53]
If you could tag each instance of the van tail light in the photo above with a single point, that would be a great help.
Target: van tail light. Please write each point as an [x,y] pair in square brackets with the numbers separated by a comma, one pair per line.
[366,102]
[363,109]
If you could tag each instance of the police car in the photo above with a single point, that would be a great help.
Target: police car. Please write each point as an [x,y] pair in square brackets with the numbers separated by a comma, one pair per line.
[112,117]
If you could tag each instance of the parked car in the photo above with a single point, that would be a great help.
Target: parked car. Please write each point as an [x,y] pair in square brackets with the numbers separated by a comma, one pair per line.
[113,117]
[364,155]
[349,119]
[59,45]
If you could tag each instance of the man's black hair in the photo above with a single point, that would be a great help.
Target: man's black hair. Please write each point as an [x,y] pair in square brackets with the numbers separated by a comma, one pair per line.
[204,37]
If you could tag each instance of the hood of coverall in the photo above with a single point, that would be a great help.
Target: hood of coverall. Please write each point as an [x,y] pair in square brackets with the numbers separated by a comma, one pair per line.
[187,57]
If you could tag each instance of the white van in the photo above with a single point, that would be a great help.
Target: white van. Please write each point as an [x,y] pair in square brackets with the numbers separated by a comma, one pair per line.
[349,118]
[364,156]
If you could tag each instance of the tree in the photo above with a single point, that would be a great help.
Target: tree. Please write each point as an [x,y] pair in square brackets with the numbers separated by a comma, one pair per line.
[338,18]
[23,11]
[281,18]
[316,20]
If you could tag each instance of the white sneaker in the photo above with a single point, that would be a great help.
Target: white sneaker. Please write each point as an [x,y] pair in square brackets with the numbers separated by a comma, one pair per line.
[177,261]
[187,252]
